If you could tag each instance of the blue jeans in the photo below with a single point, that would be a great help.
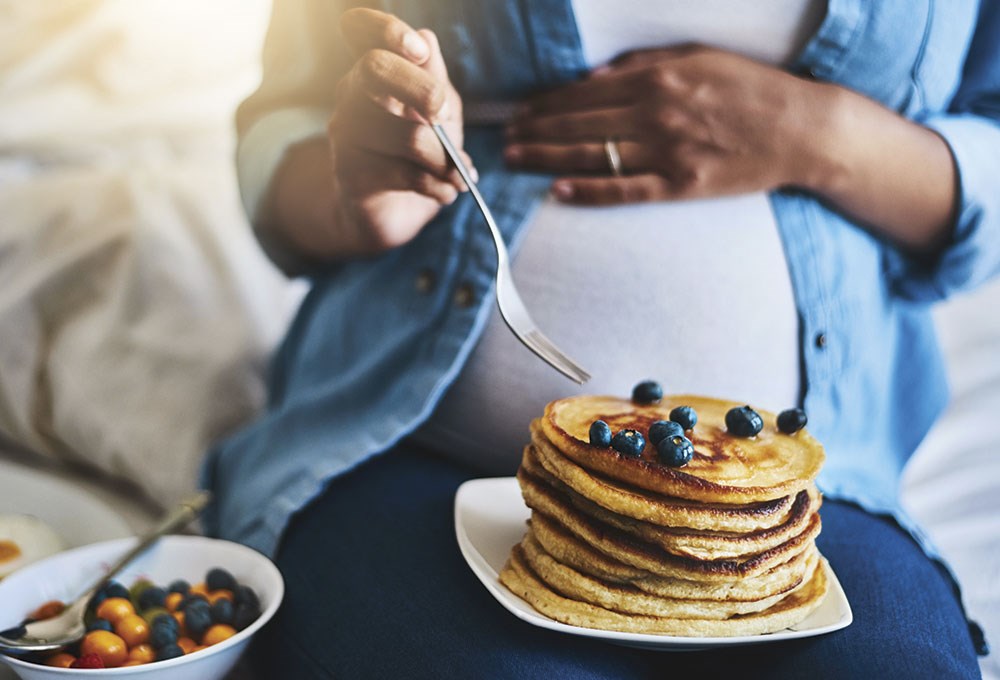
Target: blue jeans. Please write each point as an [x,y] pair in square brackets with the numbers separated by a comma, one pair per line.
[377,588]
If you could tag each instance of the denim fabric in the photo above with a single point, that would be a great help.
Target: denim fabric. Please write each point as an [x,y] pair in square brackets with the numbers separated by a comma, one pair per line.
[398,601]
[378,341]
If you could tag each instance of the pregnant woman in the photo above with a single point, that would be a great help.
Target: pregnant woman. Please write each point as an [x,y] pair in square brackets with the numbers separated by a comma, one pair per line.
[756,201]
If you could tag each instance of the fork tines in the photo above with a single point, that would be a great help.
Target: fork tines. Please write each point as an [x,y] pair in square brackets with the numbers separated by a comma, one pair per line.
[545,348]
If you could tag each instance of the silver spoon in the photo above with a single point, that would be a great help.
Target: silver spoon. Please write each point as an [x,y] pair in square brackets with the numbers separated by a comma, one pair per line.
[67,628]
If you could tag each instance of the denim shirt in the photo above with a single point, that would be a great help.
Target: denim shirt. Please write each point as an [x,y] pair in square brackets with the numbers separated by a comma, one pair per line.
[377,342]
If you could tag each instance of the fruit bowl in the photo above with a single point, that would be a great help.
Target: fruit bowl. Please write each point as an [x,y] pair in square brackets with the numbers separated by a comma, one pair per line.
[63,576]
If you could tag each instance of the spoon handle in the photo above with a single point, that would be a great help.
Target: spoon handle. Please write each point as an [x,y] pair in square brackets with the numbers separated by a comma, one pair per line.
[187,511]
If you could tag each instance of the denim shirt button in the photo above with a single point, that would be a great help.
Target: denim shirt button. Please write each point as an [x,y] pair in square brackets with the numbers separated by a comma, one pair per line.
[464,295]
[821,340]
[426,281]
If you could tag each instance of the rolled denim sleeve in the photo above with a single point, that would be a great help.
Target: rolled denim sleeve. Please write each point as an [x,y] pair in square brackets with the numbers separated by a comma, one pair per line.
[302,60]
[261,149]
[971,128]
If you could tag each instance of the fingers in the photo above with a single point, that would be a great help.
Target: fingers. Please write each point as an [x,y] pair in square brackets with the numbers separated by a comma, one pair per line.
[385,76]
[362,173]
[368,29]
[576,158]
[366,125]
[642,58]
[575,126]
[396,65]
[614,88]
[611,190]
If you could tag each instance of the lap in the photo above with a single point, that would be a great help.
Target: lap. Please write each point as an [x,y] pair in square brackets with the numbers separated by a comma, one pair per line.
[376,587]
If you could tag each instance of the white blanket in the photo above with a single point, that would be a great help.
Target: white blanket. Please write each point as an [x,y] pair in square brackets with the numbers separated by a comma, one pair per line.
[136,310]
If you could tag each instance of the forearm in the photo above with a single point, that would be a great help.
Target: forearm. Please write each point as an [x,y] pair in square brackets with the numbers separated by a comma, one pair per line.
[888,173]
[297,221]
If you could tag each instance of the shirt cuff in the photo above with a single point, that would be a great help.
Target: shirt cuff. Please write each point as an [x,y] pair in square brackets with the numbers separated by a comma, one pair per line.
[973,254]
[262,148]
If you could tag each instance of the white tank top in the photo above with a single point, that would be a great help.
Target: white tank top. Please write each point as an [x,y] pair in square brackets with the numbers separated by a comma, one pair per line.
[693,294]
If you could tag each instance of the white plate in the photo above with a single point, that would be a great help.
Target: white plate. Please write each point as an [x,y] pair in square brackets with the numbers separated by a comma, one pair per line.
[78,517]
[489,521]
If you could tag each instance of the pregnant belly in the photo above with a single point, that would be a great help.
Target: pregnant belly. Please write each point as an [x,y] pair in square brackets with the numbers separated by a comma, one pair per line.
[695,295]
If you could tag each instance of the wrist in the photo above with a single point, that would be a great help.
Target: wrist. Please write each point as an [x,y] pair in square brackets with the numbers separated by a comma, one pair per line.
[821,146]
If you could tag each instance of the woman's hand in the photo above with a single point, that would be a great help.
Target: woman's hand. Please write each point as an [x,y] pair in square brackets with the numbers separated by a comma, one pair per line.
[391,175]
[689,122]
[695,122]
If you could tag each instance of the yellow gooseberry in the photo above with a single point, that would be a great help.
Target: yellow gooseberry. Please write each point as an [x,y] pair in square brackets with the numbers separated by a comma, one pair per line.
[108,646]
[114,609]
[217,634]
[221,594]
[132,662]
[60,660]
[199,589]
[187,644]
[133,629]
[173,599]
[143,653]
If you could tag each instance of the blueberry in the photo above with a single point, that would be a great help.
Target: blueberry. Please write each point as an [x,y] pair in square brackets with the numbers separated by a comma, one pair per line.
[684,416]
[167,621]
[647,392]
[99,597]
[675,451]
[115,589]
[179,586]
[154,596]
[162,636]
[14,633]
[628,443]
[100,624]
[792,420]
[197,620]
[188,599]
[171,651]
[220,579]
[662,429]
[245,614]
[222,611]
[600,433]
[743,421]
[246,594]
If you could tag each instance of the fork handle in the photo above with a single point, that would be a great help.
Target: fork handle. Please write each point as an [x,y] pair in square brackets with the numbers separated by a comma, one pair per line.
[179,517]
[463,171]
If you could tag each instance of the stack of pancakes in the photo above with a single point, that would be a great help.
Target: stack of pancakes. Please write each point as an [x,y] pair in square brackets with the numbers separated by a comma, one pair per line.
[722,546]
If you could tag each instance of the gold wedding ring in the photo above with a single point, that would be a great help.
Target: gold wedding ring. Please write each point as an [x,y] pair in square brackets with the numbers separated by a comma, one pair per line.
[613,155]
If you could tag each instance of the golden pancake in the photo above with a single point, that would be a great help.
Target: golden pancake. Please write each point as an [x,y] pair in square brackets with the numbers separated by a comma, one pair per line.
[518,576]
[626,548]
[706,545]
[573,552]
[724,469]
[628,599]
[661,510]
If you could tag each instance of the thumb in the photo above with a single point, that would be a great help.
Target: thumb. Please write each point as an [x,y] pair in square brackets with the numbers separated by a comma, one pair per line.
[436,67]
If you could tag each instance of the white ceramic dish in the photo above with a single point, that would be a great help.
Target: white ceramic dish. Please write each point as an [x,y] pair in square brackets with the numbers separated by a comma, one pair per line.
[489,521]
[76,515]
[64,575]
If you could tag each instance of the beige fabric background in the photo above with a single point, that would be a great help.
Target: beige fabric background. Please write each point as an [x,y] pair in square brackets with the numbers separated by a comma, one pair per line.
[136,310]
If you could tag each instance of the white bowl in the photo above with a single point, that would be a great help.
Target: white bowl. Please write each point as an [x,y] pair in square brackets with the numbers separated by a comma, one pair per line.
[64,576]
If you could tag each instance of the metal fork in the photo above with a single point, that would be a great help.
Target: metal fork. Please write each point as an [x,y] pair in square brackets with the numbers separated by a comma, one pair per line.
[512,309]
